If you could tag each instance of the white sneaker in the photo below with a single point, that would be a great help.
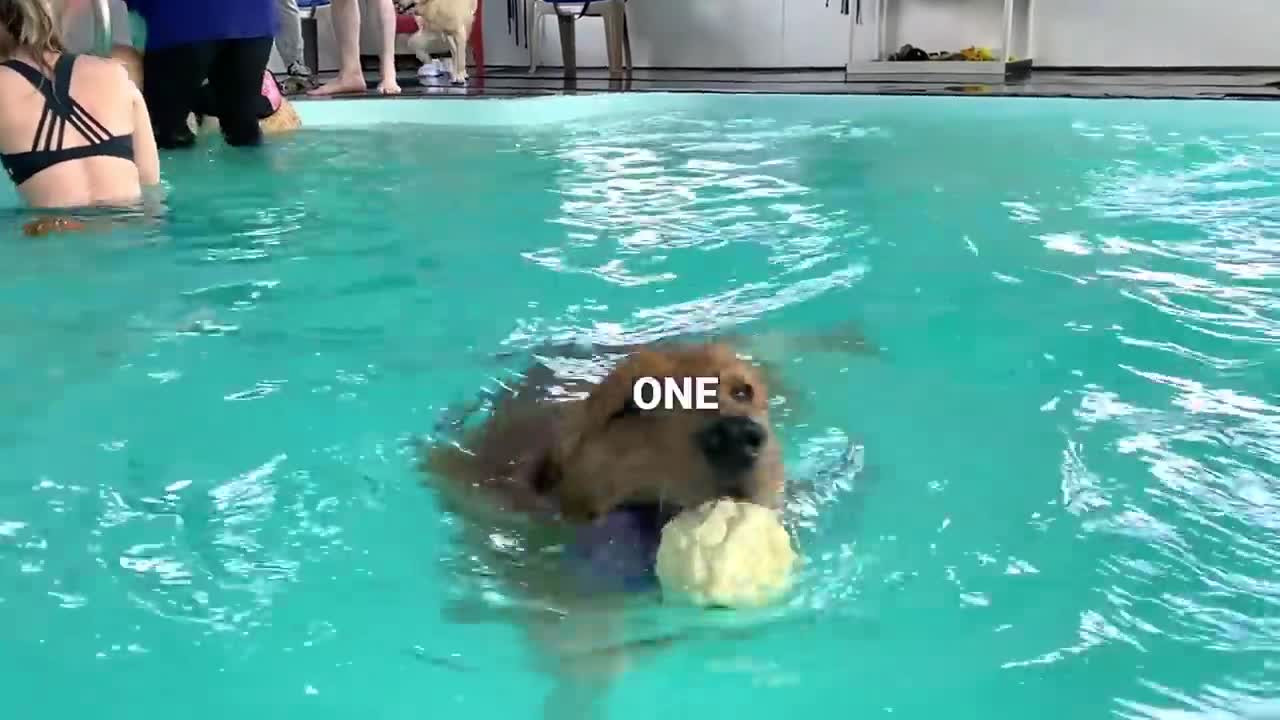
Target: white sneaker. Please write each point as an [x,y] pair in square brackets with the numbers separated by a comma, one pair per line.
[431,69]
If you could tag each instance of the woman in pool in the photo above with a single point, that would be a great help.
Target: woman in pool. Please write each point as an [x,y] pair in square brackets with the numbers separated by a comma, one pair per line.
[74,130]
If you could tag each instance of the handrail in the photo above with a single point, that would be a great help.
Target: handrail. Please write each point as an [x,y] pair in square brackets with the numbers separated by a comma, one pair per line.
[101,27]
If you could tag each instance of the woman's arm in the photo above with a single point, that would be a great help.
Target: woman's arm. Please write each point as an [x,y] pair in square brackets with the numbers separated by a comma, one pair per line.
[145,154]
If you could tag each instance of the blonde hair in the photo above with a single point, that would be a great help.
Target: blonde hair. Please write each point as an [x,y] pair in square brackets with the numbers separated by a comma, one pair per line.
[29,25]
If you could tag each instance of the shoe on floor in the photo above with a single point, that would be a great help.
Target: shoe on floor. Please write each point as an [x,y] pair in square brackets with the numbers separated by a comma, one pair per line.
[432,69]
[299,70]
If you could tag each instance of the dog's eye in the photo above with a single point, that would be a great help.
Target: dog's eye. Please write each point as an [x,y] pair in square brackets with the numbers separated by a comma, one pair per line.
[629,409]
[743,392]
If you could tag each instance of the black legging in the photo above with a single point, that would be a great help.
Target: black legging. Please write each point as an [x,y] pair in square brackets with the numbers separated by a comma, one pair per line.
[206,105]
[171,80]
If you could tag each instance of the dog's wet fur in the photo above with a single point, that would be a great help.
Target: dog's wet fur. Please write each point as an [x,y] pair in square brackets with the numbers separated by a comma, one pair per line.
[556,457]
[578,460]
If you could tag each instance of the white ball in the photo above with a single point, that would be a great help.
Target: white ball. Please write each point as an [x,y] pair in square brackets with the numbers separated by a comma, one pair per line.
[726,554]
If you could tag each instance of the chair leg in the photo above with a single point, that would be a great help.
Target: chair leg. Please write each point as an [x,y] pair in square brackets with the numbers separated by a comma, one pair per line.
[613,35]
[568,45]
[535,34]
[626,38]
[533,39]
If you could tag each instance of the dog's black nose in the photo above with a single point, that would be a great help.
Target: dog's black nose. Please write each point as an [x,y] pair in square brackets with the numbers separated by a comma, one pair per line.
[732,442]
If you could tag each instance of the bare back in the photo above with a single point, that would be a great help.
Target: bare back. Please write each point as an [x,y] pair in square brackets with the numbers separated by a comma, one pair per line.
[102,91]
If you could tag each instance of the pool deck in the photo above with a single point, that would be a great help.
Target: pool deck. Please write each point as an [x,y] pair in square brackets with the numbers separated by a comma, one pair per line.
[1166,84]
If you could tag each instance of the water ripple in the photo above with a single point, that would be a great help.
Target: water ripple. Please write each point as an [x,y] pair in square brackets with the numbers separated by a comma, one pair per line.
[1062,475]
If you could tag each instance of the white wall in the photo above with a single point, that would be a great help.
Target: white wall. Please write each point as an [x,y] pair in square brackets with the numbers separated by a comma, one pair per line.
[1157,32]
[1115,33]
[807,33]
[694,33]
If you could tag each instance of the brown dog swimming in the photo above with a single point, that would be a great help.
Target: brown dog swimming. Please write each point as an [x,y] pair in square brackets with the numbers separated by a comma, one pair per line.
[576,461]
[562,490]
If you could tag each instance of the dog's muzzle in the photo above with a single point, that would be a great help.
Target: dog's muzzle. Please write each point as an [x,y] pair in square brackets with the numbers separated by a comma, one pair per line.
[732,444]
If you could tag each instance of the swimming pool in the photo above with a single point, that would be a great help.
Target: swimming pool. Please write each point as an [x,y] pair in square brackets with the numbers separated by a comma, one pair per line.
[1068,489]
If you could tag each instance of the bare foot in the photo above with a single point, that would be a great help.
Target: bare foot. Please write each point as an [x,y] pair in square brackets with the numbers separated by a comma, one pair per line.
[341,85]
[389,86]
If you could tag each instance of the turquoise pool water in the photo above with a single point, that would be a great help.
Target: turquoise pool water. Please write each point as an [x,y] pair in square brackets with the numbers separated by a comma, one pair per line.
[1067,495]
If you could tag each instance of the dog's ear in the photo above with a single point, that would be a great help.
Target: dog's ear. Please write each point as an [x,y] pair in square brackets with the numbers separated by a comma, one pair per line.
[579,502]
[579,499]
[574,503]
[570,424]
[575,508]
[546,475]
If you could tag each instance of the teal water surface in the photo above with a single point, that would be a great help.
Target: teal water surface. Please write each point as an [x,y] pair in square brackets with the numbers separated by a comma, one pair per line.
[1066,495]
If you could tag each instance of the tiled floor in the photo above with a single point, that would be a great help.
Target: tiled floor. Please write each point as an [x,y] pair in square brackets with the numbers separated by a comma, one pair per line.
[509,82]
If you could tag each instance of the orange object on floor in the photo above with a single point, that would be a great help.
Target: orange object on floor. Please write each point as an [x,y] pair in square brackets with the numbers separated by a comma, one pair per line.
[47,226]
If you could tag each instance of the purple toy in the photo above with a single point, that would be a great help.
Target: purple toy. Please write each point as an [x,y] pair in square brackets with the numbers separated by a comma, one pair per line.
[617,552]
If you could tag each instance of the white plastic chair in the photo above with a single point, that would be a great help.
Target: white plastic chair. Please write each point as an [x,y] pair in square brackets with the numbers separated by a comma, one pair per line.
[616,34]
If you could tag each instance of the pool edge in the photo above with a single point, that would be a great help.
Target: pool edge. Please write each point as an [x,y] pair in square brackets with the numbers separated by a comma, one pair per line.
[552,109]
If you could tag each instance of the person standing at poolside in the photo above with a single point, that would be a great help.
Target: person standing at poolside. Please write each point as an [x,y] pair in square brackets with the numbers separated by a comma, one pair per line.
[74,130]
[289,39]
[227,42]
[346,28]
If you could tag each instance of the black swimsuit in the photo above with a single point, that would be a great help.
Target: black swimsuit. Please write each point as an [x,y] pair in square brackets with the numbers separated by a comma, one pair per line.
[61,110]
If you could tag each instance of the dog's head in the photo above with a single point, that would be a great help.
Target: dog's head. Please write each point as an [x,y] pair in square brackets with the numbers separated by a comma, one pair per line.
[611,453]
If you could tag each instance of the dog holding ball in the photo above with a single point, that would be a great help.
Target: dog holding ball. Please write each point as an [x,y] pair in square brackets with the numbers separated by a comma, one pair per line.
[579,501]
